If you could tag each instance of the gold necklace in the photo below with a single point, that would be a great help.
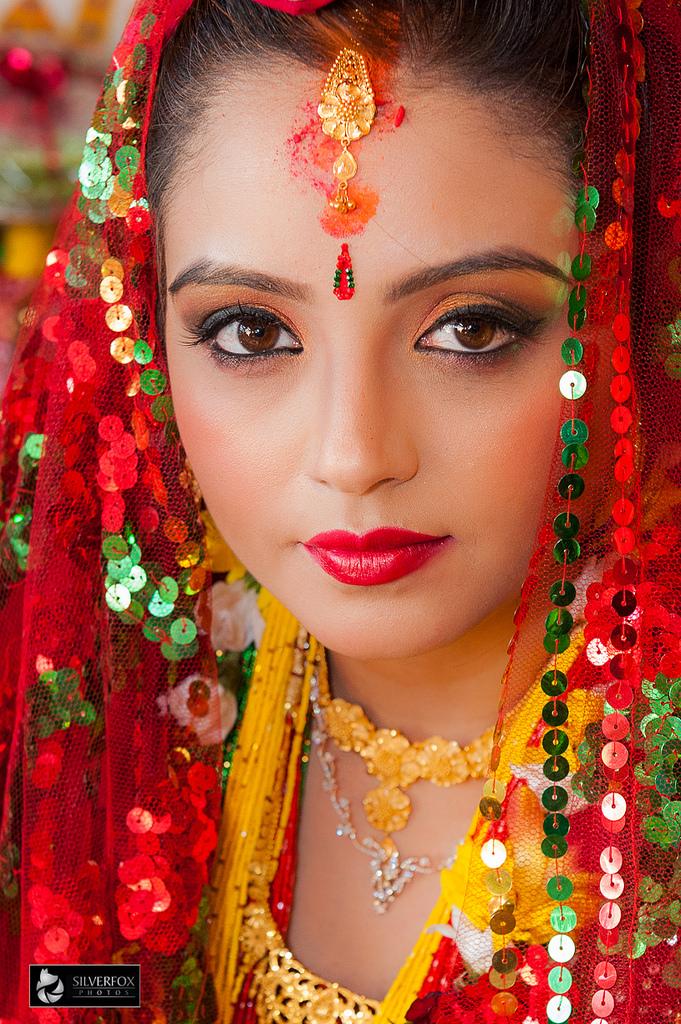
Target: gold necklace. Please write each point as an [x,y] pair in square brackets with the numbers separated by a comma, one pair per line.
[396,762]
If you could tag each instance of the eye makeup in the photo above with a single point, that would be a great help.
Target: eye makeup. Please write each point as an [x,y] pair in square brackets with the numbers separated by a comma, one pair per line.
[256,334]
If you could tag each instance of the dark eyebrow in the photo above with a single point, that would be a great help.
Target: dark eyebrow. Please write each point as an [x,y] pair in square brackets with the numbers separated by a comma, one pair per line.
[205,272]
[490,259]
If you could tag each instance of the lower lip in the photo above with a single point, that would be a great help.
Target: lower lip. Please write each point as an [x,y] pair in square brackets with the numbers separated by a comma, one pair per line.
[367,568]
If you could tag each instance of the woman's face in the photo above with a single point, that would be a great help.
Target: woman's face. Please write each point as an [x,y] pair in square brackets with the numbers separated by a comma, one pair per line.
[373,411]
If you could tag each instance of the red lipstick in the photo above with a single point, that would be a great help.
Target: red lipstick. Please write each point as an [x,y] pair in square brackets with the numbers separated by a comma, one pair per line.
[375,557]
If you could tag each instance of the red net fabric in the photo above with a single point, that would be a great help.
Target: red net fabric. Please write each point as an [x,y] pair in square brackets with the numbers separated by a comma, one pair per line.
[111,809]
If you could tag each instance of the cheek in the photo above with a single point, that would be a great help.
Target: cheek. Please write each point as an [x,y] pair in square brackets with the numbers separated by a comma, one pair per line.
[237,460]
[501,457]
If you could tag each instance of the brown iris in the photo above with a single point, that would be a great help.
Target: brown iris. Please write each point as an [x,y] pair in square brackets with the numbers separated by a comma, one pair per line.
[255,334]
[476,333]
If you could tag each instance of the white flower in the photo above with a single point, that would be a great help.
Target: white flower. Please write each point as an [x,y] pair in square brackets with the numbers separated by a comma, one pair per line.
[476,947]
[236,618]
[220,715]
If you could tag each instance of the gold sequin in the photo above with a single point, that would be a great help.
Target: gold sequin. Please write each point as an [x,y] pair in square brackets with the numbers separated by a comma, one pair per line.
[118,317]
[112,268]
[111,289]
[123,349]
[120,201]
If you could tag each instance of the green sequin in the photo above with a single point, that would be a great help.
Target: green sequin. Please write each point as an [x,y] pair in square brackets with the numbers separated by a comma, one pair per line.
[183,631]
[142,352]
[590,196]
[135,580]
[560,979]
[566,551]
[147,24]
[559,622]
[134,613]
[559,887]
[152,382]
[554,847]
[563,919]
[556,768]
[573,481]
[555,742]
[585,217]
[139,57]
[556,644]
[555,712]
[178,652]
[119,569]
[154,631]
[571,351]
[577,298]
[158,608]
[117,597]
[577,452]
[162,409]
[574,432]
[576,318]
[556,825]
[581,266]
[168,590]
[649,890]
[553,683]
[554,798]
[562,593]
[566,525]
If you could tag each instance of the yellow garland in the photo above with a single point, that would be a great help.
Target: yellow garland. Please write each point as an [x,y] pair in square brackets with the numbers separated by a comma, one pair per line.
[264,745]
[262,781]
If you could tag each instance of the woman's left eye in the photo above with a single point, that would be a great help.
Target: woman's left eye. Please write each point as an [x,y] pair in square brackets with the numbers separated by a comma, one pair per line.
[481,333]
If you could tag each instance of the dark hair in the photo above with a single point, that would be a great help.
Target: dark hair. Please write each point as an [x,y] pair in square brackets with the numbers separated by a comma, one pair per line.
[526,53]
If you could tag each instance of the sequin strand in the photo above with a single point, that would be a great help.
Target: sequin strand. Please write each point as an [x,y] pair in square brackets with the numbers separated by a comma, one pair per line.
[615,726]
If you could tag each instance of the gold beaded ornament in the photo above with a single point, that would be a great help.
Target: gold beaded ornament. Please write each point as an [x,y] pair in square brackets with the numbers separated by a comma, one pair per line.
[397,763]
[347,110]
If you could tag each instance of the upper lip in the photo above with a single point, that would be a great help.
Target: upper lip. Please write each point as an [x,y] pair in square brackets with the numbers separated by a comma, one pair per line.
[375,540]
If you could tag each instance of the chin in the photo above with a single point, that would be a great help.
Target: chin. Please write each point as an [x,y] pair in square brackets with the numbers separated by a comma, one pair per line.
[381,632]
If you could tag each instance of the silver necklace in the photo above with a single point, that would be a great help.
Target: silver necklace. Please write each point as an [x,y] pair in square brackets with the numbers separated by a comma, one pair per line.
[390,873]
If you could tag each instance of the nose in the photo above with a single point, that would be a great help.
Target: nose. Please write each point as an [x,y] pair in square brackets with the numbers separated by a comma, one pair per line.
[362,426]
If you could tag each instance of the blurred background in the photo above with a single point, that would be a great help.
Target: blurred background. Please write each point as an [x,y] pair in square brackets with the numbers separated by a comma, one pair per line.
[53,54]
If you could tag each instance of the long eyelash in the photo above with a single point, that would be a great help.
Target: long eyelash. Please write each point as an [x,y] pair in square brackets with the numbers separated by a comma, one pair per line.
[522,331]
[204,333]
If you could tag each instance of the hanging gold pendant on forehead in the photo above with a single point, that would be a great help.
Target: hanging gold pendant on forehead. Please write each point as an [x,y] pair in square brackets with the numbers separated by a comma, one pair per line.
[347,110]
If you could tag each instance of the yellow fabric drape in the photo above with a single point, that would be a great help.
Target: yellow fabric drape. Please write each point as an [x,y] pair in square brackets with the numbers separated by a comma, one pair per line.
[266,758]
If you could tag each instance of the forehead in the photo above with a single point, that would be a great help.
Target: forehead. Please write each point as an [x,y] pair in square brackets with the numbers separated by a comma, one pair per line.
[253,179]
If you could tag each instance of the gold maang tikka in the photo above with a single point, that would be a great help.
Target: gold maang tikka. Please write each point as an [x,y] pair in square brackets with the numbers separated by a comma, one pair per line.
[347,110]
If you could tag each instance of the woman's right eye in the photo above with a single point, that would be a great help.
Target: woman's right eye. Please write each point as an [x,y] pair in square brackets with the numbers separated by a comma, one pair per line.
[244,334]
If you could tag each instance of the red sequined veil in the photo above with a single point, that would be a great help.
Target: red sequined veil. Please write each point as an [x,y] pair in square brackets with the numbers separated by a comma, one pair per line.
[111,810]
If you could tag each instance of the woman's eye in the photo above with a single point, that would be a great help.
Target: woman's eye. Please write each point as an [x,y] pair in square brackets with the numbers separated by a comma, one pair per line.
[251,333]
[481,333]
[245,334]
